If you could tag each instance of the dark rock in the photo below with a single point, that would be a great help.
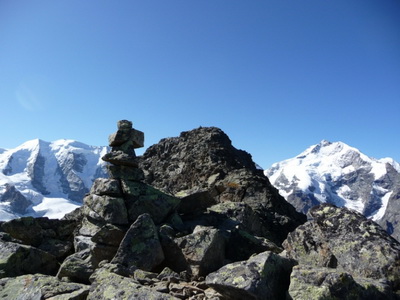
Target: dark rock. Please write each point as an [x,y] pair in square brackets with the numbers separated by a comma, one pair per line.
[241,245]
[263,276]
[204,160]
[106,187]
[109,235]
[140,247]
[109,209]
[77,267]
[125,172]
[196,202]
[121,158]
[326,283]
[339,237]
[18,202]
[141,198]
[41,287]
[198,253]
[17,259]
[50,235]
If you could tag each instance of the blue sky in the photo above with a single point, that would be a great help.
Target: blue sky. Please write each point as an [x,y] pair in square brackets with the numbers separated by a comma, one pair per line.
[276,76]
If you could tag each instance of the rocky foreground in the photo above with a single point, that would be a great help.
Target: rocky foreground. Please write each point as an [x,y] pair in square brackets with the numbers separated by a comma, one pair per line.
[193,218]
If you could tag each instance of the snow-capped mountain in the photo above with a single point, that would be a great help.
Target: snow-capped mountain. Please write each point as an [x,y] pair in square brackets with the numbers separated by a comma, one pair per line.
[41,178]
[339,174]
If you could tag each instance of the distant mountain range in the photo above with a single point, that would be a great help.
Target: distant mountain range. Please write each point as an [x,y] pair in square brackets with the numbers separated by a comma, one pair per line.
[41,178]
[341,175]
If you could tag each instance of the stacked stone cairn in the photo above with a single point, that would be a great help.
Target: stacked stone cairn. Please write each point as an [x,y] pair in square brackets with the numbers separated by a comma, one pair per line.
[120,214]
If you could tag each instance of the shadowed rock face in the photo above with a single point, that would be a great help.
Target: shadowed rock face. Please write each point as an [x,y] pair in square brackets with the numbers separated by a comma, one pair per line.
[18,202]
[203,168]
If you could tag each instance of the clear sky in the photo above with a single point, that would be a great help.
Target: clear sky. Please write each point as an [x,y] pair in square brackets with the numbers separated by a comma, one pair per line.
[277,76]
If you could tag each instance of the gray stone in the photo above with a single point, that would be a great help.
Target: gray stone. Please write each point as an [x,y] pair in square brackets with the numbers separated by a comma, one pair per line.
[16,259]
[325,283]
[140,247]
[106,186]
[77,267]
[110,209]
[37,287]
[203,252]
[121,158]
[263,276]
[125,172]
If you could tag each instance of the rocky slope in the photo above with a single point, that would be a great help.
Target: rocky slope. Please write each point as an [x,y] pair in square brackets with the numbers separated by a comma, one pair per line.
[203,168]
[341,175]
[211,237]
[40,178]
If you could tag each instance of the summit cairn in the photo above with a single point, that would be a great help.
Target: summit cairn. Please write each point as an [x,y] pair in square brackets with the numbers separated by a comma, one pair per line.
[122,158]
[117,209]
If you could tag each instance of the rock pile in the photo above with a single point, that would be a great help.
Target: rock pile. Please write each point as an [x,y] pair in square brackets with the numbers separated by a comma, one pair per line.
[214,230]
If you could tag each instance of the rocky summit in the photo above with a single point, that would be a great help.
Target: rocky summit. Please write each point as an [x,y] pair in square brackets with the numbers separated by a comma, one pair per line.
[194,218]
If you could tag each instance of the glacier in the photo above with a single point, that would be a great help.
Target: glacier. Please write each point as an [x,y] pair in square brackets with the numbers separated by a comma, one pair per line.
[53,177]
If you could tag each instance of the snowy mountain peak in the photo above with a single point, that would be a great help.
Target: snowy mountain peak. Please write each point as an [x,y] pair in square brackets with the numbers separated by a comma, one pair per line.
[47,172]
[336,173]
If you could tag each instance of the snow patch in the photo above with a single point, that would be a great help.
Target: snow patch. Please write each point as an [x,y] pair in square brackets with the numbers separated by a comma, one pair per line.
[54,208]
[382,210]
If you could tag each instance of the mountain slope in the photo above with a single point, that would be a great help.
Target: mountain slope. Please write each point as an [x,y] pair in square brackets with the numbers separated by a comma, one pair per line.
[40,178]
[338,174]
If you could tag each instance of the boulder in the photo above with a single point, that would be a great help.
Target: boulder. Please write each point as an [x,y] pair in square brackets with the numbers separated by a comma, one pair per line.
[326,283]
[263,276]
[345,239]
[77,267]
[106,186]
[141,246]
[39,286]
[198,253]
[17,259]
[108,209]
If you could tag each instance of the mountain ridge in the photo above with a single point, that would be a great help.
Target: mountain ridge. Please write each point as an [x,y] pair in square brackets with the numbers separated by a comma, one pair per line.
[62,170]
[336,173]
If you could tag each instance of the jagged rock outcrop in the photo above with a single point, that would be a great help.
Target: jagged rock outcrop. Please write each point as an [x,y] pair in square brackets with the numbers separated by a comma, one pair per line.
[344,240]
[203,168]
[18,202]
